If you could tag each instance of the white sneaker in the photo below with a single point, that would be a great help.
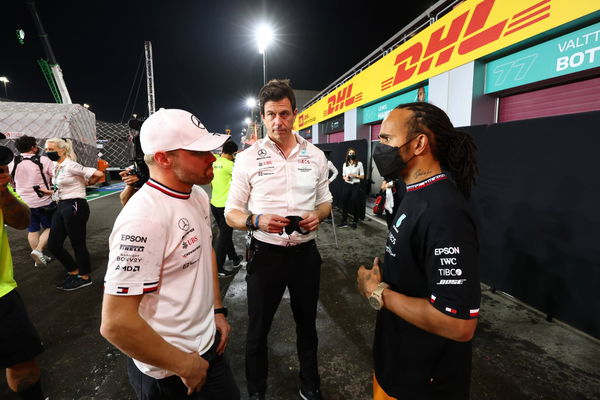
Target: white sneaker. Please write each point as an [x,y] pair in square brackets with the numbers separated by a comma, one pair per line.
[46,258]
[38,257]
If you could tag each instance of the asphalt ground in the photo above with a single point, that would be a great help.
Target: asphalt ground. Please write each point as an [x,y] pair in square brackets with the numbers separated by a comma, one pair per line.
[517,353]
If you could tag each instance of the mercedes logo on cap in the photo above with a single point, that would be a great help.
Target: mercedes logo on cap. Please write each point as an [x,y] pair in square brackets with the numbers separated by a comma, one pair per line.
[197,122]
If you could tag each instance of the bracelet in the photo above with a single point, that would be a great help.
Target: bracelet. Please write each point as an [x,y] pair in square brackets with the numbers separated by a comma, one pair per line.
[256,221]
[222,310]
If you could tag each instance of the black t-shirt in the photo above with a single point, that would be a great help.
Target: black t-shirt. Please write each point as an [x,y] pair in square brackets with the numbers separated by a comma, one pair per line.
[432,252]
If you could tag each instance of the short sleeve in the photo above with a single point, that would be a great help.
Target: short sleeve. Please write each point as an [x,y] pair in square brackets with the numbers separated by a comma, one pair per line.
[452,264]
[136,254]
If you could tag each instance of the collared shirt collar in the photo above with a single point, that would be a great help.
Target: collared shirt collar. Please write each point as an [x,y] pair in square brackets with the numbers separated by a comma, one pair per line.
[167,190]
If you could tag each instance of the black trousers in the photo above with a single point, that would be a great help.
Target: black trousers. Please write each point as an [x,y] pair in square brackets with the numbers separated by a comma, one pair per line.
[219,385]
[224,246]
[270,270]
[70,219]
[350,201]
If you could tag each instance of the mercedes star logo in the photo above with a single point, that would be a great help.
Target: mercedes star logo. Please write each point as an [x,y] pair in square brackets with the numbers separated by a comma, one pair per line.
[184,224]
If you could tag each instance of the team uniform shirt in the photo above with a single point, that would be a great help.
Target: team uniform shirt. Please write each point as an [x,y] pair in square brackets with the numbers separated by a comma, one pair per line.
[70,180]
[432,252]
[333,170]
[28,175]
[222,169]
[264,181]
[356,169]
[160,247]
[7,280]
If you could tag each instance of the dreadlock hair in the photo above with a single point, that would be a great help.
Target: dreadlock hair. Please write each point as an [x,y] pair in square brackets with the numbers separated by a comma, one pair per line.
[454,149]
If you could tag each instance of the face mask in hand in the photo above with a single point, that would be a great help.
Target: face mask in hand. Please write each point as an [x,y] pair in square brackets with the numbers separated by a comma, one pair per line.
[53,155]
[388,160]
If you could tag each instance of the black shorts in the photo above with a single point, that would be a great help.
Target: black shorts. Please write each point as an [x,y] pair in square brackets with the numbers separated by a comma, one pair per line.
[19,341]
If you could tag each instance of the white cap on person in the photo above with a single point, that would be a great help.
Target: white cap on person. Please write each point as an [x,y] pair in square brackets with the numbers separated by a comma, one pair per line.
[172,129]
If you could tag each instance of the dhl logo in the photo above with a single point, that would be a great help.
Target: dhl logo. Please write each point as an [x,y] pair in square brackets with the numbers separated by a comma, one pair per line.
[303,118]
[341,99]
[476,35]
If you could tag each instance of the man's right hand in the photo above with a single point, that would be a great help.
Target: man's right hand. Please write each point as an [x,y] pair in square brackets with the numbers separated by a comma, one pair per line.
[272,223]
[128,179]
[195,375]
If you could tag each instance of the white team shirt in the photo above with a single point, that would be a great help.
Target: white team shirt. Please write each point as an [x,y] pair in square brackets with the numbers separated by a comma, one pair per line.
[356,169]
[333,170]
[71,179]
[265,182]
[161,246]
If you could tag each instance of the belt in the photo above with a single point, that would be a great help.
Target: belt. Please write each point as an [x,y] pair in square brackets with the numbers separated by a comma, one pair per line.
[274,247]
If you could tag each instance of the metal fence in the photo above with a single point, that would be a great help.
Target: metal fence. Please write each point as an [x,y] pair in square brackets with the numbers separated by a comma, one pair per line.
[115,143]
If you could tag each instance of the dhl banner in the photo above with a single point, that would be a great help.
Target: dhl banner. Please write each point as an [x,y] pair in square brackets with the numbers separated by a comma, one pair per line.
[472,30]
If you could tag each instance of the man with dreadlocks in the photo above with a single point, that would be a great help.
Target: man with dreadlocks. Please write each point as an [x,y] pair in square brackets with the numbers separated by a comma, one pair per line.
[427,290]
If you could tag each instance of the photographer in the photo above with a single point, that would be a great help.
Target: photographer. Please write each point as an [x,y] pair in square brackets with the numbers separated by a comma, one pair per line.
[20,343]
[130,178]
[137,174]
[31,174]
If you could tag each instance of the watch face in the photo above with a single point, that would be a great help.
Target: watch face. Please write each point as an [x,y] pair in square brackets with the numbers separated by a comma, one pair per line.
[374,302]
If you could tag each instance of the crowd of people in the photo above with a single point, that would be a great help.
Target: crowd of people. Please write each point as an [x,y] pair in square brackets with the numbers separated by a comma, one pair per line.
[162,304]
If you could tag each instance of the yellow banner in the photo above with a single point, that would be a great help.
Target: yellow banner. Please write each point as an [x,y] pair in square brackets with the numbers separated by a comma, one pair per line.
[472,30]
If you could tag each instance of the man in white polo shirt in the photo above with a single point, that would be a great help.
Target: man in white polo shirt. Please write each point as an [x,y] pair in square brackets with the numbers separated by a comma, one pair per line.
[162,305]
[280,191]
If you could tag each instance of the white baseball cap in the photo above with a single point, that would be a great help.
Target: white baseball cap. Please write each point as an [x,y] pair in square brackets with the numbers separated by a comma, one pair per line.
[171,129]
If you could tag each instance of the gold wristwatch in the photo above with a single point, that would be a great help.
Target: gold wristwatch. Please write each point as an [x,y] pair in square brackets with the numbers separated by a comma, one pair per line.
[376,298]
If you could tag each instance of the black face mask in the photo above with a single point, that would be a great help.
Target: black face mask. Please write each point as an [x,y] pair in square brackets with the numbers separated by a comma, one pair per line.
[53,155]
[351,156]
[388,160]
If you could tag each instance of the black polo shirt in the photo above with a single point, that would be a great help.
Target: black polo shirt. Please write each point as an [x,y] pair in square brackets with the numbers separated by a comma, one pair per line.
[432,252]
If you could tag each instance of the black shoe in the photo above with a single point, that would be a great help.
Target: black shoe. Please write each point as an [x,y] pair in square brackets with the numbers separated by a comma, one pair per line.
[256,396]
[342,225]
[239,262]
[353,226]
[76,283]
[311,394]
[65,281]
[223,273]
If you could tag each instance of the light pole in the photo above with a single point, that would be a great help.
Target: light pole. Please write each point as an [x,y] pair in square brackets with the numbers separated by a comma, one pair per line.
[264,35]
[251,103]
[5,80]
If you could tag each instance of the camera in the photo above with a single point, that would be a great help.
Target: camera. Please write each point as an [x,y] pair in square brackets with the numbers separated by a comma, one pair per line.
[37,191]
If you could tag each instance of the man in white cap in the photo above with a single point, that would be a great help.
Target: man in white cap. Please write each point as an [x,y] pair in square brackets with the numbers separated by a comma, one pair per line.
[162,304]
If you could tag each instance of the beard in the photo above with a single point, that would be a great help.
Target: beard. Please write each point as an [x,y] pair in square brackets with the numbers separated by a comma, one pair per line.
[191,177]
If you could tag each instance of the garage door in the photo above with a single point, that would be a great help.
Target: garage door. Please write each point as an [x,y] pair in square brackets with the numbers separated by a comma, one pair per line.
[570,98]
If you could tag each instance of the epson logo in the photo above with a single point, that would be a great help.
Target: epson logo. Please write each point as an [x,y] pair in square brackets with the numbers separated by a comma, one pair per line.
[134,238]
[446,250]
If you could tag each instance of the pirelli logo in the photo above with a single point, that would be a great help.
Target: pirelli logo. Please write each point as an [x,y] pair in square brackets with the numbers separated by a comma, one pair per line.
[128,247]
[466,33]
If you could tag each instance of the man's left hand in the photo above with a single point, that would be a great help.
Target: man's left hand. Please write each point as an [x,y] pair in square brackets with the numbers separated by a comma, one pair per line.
[310,221]
[368,279]
[223,327]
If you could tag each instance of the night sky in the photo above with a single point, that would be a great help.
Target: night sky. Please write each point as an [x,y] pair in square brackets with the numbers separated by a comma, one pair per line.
[205,56]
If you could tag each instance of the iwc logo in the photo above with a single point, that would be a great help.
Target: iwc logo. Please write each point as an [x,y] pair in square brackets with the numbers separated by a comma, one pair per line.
[184,224]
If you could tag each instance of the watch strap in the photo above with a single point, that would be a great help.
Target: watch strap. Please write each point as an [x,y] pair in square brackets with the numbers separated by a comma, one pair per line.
[222,310]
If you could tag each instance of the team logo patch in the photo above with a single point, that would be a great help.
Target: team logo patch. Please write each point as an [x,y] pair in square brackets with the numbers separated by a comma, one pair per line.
[197,122]
[262,152]
[184,224]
